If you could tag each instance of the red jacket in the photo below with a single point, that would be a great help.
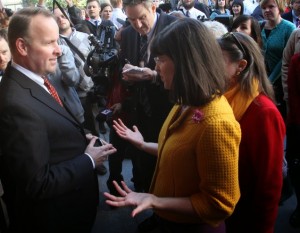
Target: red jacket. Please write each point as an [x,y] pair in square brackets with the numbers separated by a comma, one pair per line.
[260,168]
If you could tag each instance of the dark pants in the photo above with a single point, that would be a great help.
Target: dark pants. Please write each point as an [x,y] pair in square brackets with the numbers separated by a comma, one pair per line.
[3,217]
[89,119]
[150,128]
[293,158]
[124,149]
[280,102]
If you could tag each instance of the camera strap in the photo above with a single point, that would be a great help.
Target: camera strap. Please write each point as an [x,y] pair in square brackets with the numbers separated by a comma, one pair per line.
[74,48]
[62,10]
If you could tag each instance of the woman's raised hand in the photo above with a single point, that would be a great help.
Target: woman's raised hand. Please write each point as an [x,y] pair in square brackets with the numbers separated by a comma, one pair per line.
[134,137]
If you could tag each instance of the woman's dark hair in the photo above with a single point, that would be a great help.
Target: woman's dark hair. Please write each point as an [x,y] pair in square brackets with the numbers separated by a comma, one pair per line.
[239,3]
[198,78]
[255,27]
[217,4]
[241,46]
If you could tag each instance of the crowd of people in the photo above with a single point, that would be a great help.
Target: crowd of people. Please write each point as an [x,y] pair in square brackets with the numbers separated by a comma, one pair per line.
[202,96]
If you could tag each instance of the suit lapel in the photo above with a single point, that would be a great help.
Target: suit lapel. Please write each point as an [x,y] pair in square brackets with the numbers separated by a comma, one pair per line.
[38,93]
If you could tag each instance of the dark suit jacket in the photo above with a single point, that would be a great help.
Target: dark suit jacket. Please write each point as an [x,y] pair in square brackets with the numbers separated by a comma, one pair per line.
[49,184]
[158,98]
[288,16]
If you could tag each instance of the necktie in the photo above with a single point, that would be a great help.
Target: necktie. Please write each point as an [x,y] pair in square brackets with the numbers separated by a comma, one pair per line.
[142,96]
[143,48]
[52,91]
[187,14]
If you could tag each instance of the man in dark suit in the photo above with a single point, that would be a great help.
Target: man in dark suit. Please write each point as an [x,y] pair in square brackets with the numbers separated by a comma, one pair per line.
[93,9]
[46,165]
[150,102]
[294,15]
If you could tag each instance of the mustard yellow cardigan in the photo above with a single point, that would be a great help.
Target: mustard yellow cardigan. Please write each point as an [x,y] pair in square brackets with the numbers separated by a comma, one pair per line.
[198,158]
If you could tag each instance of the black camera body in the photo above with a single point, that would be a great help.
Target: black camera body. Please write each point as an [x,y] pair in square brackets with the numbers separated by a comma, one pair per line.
[104,115]
[227,20]
[101,64]
[102,60]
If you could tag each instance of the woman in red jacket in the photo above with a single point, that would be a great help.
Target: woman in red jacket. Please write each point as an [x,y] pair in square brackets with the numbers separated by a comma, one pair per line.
[250,95]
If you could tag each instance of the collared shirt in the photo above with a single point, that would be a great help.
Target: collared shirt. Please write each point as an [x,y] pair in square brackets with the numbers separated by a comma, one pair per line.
[150,35]
[193,13]
[33,76]
[93,21]
[118,13]
[249,6]
[40,81]
[1,74]
[295,18]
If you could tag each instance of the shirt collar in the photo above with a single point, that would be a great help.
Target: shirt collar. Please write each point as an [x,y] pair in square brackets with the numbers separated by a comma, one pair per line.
[149,35]
[93,21]
[294,16]
[33,76]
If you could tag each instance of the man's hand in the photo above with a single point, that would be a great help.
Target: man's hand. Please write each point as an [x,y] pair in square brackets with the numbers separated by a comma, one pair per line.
[137,74]
[116,108]
[4,19]
[99,154]
[69,3]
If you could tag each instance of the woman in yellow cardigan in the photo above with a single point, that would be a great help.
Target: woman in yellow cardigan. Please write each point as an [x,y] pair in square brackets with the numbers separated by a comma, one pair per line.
[195,184]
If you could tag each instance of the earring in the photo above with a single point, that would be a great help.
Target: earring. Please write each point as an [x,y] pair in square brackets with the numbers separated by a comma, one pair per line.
[238,73]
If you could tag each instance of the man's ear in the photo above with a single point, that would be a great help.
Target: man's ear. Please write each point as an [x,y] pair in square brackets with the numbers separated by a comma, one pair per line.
[242,65]
[21,46]
[153,8]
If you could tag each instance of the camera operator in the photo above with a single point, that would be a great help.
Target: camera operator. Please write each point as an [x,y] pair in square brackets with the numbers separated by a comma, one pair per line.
[96,26]
[79,45]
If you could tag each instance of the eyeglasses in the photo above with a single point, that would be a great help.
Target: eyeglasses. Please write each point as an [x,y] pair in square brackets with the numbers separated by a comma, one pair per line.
[238,43]
[157,60]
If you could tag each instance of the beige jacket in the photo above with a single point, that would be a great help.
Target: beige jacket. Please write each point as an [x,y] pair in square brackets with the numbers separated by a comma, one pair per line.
[292,47]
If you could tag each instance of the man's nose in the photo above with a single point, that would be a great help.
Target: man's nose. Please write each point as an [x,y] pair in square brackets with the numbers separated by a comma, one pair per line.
[57,50]
[1,58]
[138,24]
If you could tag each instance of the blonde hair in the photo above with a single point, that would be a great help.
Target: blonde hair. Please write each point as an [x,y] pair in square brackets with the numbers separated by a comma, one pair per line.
[280,4]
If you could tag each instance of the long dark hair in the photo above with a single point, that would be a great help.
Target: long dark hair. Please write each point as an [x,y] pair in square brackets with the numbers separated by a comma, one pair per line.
[239,3]
[255,28]
[192,47]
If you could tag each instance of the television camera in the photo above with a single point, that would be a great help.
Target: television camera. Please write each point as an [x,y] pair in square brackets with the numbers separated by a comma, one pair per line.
[101,64]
